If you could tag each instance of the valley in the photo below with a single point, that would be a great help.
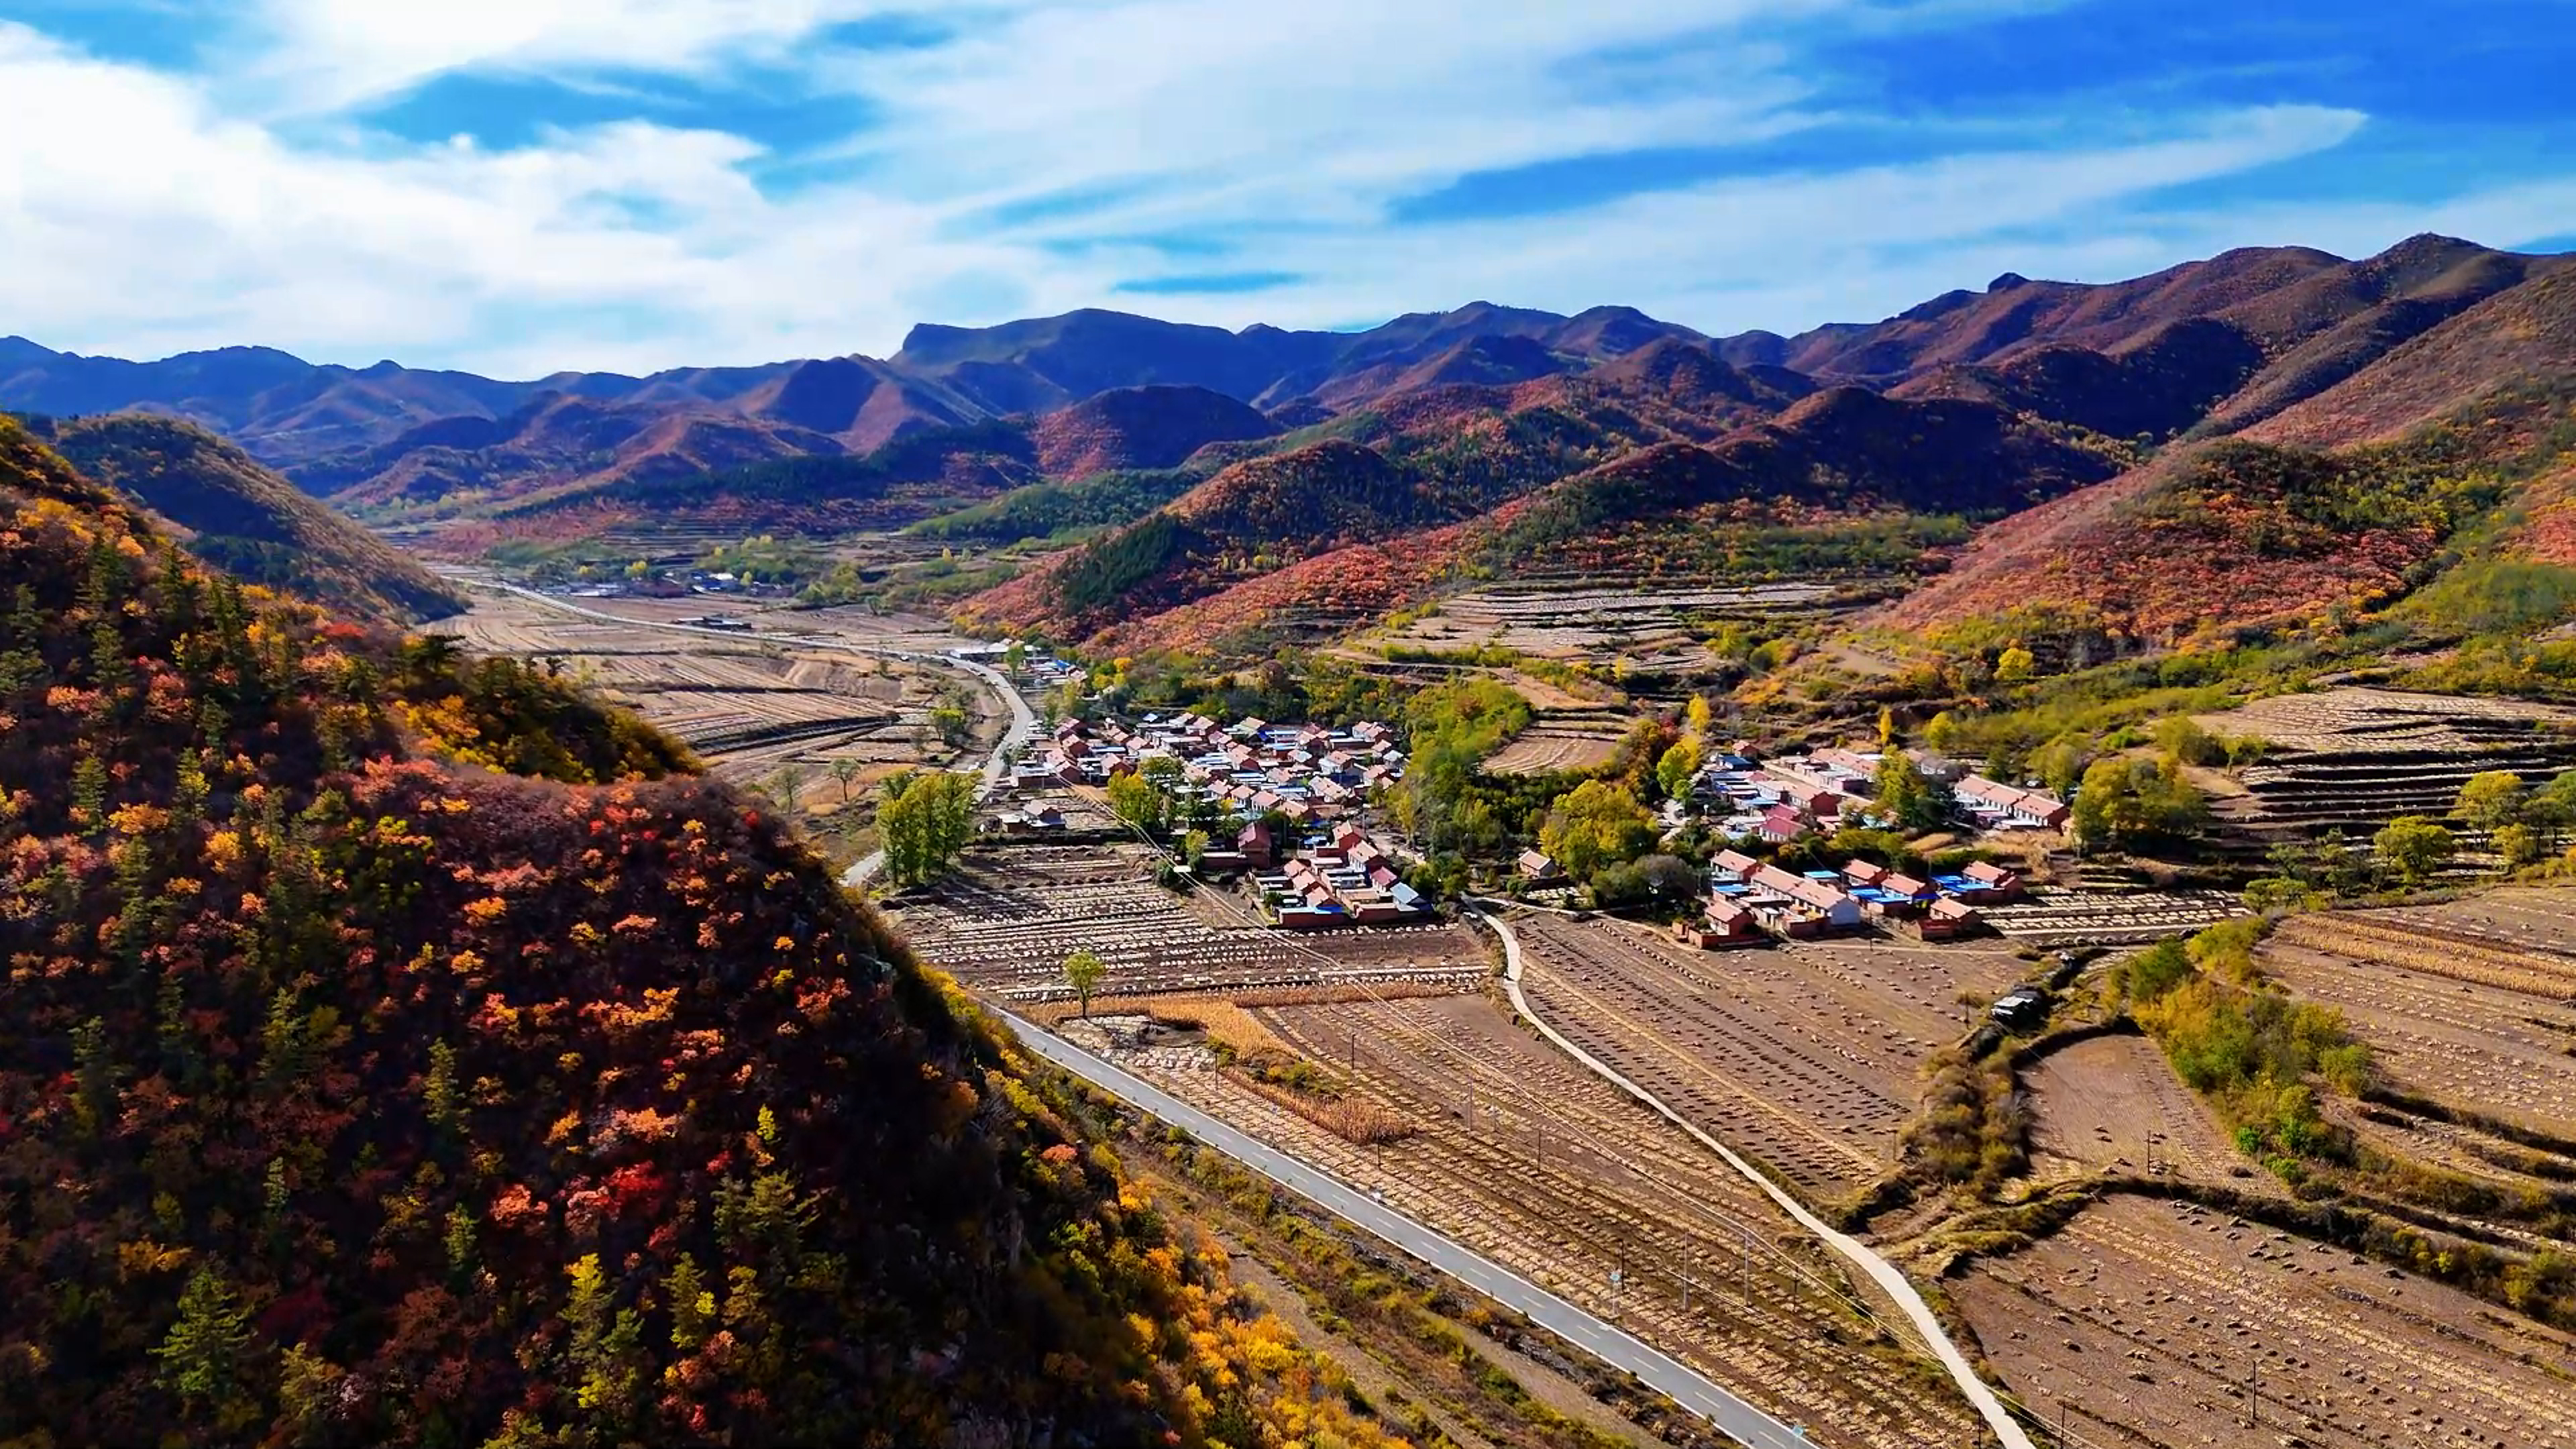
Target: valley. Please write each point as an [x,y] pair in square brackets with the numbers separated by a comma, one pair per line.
[2033,851]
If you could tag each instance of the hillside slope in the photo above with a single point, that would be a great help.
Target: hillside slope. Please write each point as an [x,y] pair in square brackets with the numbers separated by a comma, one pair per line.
[2514,336]
[248,521]
[353,1090]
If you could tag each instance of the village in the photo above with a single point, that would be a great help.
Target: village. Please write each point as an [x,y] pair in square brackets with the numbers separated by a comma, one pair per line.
[1262,917]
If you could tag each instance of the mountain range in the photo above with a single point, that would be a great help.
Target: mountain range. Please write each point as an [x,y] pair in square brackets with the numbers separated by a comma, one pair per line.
[1252,475]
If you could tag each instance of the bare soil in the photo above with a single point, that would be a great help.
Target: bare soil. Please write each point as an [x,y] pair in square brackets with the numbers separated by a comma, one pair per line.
[1805,1057]
[2147,1322]
[1594,1184]
[2113,1104]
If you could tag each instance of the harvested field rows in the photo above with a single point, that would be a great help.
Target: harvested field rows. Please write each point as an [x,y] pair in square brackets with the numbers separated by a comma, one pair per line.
[1556,1206]
[1005,923]
[2153,1323]
[1804,1057]
[1587,618]
[2354,759]
[2455,955]
[1543,748]
[2113,1104]
[2054,918]
[2473,1045]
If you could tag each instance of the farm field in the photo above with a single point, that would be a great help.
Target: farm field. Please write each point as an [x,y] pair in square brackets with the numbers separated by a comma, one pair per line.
[2354,759]
[749,706]
[2457,1011]
[1595,1184]
[1591,619]
[1805,1057]
[2152,1323]
[2113,1104]
[1561,742]
[2053,917]
[1004,923]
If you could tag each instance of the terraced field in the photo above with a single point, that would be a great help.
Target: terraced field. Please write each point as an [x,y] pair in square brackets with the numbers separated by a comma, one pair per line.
[2153,1323]
[1004,923]
[2354,759]
[1591,1185]
[1804,1057]
[1589,618]
[2482,1022]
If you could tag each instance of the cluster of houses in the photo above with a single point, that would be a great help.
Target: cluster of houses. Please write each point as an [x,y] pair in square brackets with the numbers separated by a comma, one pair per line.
[1750,901]
[1292,794]
[1780,800]
[1252,768]
[1991,805]
[1342,878]
[1783,799]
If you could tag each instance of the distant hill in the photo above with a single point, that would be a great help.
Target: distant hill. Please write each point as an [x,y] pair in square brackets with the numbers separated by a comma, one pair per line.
[2343,499]
[442,1061]
[248,521]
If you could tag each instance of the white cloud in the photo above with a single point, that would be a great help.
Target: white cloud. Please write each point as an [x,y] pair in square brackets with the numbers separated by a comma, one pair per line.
[183,211]
[324,54]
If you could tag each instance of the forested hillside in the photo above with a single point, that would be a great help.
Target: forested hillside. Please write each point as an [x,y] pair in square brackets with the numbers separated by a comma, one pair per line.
[402,1049]
[248,521]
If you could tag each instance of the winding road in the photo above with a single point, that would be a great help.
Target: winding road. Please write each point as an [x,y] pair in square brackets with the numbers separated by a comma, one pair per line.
[1657,1370]
[1860,1255]
[1015,737]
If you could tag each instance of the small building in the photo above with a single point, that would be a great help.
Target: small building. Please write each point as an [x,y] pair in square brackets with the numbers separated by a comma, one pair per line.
[1734,866]
[1540,868]
[2020,1009]
[1948,919]
[1864,873]
[1781,824]
[2010,804]
[1992,882]
[1255,843]
[1726,924]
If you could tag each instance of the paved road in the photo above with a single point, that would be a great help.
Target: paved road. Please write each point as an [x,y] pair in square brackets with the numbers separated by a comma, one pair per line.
[1859,1254]
[1659,1371]
[1015,737]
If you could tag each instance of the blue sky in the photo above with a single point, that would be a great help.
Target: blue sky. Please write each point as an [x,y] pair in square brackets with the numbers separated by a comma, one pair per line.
[518,186]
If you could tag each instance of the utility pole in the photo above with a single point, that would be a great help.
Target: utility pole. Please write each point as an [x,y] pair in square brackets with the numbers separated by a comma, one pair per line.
[2254,1383]
[1686,1275]
[1355,1055]
[1748,1266]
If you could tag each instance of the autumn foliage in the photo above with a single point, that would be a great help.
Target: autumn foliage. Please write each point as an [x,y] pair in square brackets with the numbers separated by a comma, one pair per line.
[359,1085]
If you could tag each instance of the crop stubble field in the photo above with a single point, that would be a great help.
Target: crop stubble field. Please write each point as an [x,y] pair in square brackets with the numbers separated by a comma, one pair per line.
[1805,1057]
[1596,1184]
[745,705]
[2472,1003]
[2154,1323]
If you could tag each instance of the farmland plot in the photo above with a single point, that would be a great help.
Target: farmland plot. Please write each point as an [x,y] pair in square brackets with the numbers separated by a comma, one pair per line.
[2113,1104]
[1004,923]
[1805,1057]
[1585,619]
[2053,918]
[2155,1323]
[2354,759]
[1601,1186]
[2478,1022]
[718,694]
